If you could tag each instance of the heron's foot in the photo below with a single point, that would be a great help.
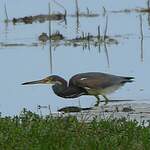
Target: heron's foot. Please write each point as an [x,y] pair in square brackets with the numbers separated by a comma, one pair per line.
[98,101]
[106,99]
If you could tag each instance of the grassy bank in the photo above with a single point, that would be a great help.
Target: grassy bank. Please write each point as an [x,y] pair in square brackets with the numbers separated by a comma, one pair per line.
[29,131]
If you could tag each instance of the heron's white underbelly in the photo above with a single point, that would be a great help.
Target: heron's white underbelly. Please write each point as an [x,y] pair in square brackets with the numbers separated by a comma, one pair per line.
[104,91]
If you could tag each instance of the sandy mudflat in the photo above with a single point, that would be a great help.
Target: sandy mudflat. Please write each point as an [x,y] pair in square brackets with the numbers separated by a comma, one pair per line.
[132,111]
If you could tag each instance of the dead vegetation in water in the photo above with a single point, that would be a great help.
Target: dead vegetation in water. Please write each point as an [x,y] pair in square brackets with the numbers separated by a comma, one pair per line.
[144,10]
[139,10]
[89,39]
[57,36]
[78,13]
[56,16]
[86,13]
[43,37]
[83,40]
[4,45]
[39,18]
[58,39]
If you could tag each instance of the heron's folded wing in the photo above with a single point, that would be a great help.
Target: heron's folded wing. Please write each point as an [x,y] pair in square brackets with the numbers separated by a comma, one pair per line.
[95,82]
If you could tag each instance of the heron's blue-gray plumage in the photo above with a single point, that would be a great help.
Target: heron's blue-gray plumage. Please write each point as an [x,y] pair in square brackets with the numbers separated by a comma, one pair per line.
[98,82]
[90,83]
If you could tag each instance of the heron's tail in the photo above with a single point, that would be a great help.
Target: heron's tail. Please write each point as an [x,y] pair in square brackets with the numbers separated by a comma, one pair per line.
[127,79]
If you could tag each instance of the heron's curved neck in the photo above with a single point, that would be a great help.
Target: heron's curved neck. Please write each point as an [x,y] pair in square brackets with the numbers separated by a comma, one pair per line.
[59,86]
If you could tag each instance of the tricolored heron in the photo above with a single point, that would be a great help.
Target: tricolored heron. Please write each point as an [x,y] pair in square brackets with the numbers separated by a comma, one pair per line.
[90,83]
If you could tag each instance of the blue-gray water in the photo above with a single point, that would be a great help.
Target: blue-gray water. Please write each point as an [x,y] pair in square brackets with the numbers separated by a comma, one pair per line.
[24,63]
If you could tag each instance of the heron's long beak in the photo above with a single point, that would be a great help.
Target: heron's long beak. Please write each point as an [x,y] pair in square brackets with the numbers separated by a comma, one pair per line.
[43,81]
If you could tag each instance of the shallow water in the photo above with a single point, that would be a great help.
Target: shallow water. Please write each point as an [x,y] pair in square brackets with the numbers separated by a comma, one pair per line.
[24,63]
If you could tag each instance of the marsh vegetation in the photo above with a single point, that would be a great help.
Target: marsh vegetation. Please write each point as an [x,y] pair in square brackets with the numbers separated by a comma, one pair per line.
[32,131]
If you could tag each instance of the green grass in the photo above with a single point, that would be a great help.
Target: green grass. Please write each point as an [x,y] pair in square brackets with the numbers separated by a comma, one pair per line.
[29,131]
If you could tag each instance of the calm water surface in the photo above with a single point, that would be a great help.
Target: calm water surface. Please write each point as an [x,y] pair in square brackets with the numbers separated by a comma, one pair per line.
[24,63]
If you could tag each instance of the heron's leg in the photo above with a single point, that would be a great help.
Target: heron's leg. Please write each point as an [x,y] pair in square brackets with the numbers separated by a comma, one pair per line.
[98,100]
[106,99]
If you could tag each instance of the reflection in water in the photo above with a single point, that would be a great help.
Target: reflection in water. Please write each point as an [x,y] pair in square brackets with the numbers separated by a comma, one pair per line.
[88,39]
[6,22]
[71,109]
[106,26]
[50,56]
[77,24]
[105,36]
[5,45]
[142,50]
[6,30]
[107,56]
[77,16]
[141,33]
[50,42]
[6,14]
[99,38]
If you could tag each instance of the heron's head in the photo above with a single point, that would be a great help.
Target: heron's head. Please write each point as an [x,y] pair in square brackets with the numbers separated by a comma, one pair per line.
[48,80]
